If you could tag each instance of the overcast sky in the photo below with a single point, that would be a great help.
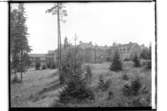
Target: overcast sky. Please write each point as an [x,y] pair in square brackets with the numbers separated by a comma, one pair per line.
[101,23]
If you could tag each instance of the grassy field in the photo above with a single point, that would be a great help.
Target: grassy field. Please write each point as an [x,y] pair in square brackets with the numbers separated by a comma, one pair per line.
[117,83]
[29,92]
[41,88]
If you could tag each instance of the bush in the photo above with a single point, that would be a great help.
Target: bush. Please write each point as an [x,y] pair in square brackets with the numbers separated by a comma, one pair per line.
[15,80]
[141,101]
[107,84]
[136,61]
[146,53]
[48,65]
[136,85]
[133,88]
[76,91]
[126,59]
[37,66]
[108,59]
[103,85]
[110,94]
[116,62]
[43,67]
[125,77]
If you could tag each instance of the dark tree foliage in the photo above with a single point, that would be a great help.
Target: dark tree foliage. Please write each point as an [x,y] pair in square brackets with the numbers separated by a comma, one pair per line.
[71,63]
[146,53]
[24,63]
[133,88]
[110,95]
[43,66]
[76,91]
[37,65]
[125,77]
[71,74]
[53,66]
[136,61]
[19,47]
[50,63]
[116,62]
[103,85]
[136,85]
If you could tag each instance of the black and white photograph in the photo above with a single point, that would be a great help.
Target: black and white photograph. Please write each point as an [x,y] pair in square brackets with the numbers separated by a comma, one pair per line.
[82,54]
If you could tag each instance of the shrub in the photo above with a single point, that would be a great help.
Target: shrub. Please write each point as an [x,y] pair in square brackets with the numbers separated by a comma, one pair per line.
[43,67]
[15,80]
[107,84]
[146,53]
[125,77]
[136,61]
[108,59]
[136,85]
[37,66]
[126,59]
[141,101]
[116,62]
[103,85]
[137,102]
[133,88]
[76,91]
[110,94]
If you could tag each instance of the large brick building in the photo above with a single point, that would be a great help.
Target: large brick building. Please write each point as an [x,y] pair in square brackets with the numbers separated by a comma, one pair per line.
[127,51]
[37,58]
[44,59]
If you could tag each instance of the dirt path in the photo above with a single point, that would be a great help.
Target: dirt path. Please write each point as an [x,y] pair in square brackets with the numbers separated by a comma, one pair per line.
[39,89]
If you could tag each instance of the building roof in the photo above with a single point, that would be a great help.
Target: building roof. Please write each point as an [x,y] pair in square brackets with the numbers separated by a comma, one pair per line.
[37,55]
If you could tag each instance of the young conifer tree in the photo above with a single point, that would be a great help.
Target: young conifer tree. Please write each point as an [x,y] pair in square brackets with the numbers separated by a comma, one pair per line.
[136,61]
[116,64]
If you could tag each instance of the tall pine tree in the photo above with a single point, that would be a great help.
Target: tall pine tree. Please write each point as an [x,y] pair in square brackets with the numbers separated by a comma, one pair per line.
[19,47]
[60,11]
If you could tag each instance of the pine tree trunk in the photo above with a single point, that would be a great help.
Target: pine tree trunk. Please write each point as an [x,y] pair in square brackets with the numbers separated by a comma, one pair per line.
[21,72]
[95,55]
[59,46]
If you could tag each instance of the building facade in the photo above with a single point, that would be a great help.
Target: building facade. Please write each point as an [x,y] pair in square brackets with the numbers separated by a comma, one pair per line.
[43,59]
[127,51]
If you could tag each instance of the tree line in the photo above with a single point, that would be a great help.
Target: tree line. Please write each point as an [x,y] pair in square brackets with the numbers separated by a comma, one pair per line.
[19,47]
